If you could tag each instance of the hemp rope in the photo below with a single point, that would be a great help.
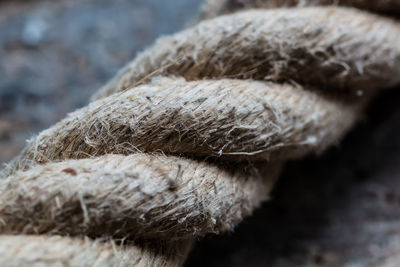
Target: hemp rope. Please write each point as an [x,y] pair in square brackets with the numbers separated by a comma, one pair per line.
[189,138]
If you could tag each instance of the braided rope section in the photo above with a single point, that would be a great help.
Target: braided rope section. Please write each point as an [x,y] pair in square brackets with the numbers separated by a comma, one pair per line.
[189,138]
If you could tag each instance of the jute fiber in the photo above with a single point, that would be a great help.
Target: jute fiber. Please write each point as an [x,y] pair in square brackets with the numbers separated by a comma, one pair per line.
[189,138]
[214,8]
[29,250]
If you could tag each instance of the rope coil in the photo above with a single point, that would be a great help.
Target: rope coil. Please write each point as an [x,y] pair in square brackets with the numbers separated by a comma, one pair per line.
[189,138]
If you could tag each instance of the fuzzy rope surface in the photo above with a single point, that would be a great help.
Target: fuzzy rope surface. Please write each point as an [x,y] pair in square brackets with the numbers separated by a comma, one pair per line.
[189,138]
[214,8]
[25,250]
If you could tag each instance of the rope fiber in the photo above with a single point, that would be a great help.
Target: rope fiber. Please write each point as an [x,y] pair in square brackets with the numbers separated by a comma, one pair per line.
[189,138]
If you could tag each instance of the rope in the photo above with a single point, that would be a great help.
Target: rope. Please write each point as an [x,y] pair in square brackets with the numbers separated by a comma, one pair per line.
[24,250]
[214,8]
[189,137]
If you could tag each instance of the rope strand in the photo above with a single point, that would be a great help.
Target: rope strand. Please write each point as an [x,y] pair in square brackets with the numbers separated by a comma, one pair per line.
[189,138]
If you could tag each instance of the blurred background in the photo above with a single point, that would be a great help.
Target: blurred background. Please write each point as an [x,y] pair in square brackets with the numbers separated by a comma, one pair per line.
[56,54]
[338,209]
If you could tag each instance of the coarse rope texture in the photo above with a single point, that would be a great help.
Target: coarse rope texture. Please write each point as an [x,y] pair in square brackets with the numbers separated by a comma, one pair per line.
[29,250]
[189,137]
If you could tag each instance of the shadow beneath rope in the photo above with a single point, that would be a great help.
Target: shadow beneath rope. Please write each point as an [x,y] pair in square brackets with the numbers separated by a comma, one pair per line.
[338,209]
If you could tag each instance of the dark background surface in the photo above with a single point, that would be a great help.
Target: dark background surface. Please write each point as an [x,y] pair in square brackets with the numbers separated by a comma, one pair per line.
[342,208]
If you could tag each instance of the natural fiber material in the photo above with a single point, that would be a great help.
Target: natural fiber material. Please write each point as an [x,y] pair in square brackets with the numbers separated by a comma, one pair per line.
[16,251]
[189,137]
[230,118]
[136,196]
[214,8]
[327,48]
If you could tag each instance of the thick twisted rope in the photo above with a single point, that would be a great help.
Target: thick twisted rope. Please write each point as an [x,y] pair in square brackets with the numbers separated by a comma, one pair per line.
[189,137]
